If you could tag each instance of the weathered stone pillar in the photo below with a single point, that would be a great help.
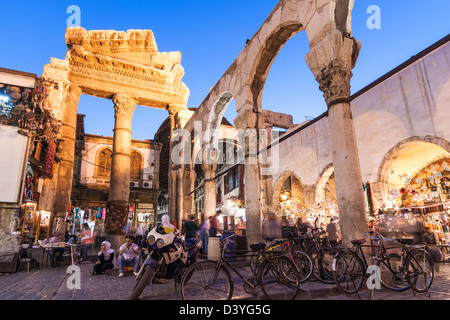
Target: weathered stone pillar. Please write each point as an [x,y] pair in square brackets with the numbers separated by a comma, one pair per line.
[63,190]
[179,215]
[210,190]
[251,122]
[119,189]
[331,60]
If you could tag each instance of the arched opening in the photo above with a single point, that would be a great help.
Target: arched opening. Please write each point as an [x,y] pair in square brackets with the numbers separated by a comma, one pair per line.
[285,91]
[266,57]
[415,189]
[413,176]
[135,166]
[288,198]
[104,163]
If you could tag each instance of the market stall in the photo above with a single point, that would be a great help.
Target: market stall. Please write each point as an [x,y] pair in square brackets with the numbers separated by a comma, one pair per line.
[423,201]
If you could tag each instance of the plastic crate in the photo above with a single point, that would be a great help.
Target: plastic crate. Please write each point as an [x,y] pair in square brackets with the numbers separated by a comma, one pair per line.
[9,266]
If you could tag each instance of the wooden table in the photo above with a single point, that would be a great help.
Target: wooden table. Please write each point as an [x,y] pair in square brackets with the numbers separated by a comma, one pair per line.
[71,248]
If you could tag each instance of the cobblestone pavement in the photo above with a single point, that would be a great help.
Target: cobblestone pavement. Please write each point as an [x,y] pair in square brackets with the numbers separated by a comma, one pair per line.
[52,284]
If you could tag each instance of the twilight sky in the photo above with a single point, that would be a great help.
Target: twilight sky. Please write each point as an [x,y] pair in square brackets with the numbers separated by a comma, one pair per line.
[210,35]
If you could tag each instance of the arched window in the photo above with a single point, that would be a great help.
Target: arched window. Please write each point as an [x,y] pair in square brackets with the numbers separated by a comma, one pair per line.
[104,163]
[135,169]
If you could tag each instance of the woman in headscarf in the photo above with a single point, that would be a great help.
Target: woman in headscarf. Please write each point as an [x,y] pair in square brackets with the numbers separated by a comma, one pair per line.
[105,259]
[165,222]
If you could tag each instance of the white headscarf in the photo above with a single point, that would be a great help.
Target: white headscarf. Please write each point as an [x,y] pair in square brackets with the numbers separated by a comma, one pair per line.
[107,251]
[165,221]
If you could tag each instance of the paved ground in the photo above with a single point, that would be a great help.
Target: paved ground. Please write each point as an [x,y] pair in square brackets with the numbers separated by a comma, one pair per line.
[52,284]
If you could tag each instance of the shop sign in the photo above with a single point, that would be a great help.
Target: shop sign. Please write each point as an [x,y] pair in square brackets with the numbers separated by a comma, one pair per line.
[145,205]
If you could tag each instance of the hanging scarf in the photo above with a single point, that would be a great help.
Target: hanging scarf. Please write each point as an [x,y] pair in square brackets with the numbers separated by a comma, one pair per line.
[49,158]
[369,198]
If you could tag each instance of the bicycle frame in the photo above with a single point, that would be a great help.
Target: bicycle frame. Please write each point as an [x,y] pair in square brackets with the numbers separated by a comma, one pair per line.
[286,247]
[263,255]
[378,256]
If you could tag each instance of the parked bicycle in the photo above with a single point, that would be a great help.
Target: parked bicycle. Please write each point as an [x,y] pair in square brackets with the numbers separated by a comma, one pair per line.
[276,275]
[411,268]
[322,253]
[303,262]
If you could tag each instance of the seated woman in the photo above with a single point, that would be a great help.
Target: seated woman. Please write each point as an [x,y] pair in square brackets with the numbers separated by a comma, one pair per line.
[105,259]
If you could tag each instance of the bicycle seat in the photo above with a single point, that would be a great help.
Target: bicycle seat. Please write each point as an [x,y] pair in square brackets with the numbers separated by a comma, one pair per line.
[405,241]
[257,246]
[359,241]
[269,238]
[190,244]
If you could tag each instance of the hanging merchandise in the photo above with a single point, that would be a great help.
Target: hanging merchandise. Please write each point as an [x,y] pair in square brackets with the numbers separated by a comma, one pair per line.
[86,215]
[49,159]
[99,213]
[368,191]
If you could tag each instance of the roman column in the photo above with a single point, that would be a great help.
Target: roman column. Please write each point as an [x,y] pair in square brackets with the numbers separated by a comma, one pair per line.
[119,189]
[209,189]
[63,190]
[250,122]
[331,60]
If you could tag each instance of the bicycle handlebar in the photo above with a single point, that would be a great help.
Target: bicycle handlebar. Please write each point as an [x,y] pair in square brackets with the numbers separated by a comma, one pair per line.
[378,236]
[224,240]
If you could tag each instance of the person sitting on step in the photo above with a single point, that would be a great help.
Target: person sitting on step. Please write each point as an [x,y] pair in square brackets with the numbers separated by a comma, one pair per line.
[128,256]
[105,259]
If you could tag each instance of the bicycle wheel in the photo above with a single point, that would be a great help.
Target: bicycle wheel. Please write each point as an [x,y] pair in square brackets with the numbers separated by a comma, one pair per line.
[392,276]
[205,281]
[323,264]
[420,270]
[305,265]
[279,279]
[348,272]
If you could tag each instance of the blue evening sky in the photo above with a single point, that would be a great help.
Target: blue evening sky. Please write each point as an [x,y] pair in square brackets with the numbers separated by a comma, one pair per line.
[210,35]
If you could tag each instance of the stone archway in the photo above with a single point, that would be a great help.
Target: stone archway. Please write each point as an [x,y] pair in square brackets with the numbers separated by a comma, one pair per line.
[296,192]
[415,153]
[324,177]
[333,54]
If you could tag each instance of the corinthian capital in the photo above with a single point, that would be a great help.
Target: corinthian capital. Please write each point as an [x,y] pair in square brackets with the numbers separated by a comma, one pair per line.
[334,81]
[124,104]
[331,60]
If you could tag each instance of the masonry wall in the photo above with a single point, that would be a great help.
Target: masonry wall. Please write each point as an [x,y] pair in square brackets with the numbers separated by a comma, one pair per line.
[412,103]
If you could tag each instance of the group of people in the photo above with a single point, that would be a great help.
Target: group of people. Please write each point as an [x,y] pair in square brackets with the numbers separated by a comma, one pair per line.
[208,228]
[127,256]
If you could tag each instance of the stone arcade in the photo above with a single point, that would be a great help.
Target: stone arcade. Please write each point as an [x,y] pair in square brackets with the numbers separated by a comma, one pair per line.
[333,54]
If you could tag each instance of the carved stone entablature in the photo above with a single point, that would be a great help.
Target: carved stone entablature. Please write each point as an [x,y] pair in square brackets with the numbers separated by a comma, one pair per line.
[103,62]
[139,43]
[124,104]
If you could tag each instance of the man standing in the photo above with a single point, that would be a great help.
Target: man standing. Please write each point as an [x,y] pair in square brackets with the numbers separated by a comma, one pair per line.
[128,256]
[204,235]
[332,232]
[191,228]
